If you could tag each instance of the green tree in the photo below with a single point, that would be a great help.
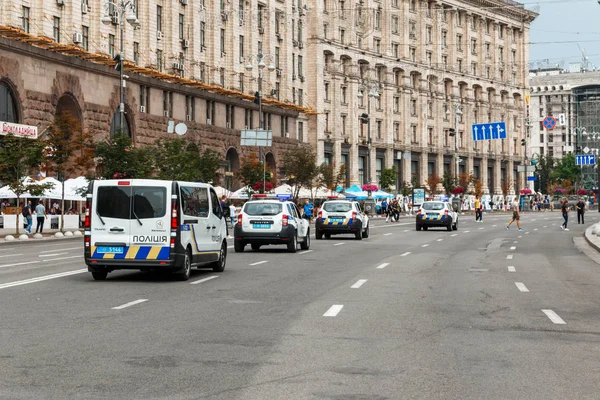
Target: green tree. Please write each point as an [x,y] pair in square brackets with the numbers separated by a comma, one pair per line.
[543,170]
[119,157]
[69,150]
[18,156]
[330,177]
[300,164]
[252,170]
[388,178]
[566,169]
[448,182]
[407,188]
[182,159]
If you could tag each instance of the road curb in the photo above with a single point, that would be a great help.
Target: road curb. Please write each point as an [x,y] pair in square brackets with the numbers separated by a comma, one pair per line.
[32,241]
[589,237]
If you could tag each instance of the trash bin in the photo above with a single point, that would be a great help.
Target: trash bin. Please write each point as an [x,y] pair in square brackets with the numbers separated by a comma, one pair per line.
[54,222]
[456,204]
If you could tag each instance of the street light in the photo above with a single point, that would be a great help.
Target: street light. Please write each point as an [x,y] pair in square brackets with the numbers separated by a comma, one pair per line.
[121,10]
[457,113]
[372,89]
[260,58]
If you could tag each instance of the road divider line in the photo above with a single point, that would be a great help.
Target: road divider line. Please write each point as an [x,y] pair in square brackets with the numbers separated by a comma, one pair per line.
[535,229]
[527,233]
[12,248]
[42,278]
[230,247]
[513,247]
[545,226]
[516,241]
[382,266]
[521,286]
[493,226]
[554,317]
[258,263]
[53,254]
[519,237]
[334,310]
[204,280]
[55,250]
[406,230]
[454,234]
[131,303]
[405,254]
[305,251]
[509,257]
[63,258]
[339,244]
[358,284]
[388,234]
[439,240]
[17,264]
[511,269]
[467,231]
[425,245]
[11,255]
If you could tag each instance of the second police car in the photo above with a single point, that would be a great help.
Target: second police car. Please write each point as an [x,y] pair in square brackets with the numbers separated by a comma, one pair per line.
[339,216]
[436,214]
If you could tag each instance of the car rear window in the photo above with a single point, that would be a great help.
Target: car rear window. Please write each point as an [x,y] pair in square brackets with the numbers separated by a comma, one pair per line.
[433,206]
[253,208]
[116,202]
[337,207]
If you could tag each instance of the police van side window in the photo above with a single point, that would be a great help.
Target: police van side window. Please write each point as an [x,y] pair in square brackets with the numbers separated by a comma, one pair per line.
[216,204]
[194,201]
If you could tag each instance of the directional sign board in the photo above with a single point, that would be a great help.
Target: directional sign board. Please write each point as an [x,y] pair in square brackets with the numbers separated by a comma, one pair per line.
[532,178]
[589,159]
[256,137]
[526,168]
[488,131]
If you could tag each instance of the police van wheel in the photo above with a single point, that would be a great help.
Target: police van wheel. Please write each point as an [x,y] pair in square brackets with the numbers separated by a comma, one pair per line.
[255,246]
[186,269]
[358,235]
[306,244]
[292,246]
[99,275]
[238,246]
[219,266]
[455,226]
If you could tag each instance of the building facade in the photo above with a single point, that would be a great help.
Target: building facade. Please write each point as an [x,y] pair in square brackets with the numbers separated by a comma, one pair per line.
[413,67]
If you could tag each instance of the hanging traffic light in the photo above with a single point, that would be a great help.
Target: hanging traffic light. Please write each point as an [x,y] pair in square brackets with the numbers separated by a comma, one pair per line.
[364,118]
[451,132]
[117,59]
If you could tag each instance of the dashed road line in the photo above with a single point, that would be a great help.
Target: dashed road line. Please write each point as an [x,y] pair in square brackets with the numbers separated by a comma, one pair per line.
[305,251]
[466,231]
[334,310]
[358,284]
[204,280]
[405,254]
[42,278]
[131,303]
[258,263]
[63,258]
[406,230]
[12,255]
[513,247]
[493,226]
[511,269]
[527,233]
[388,234]
[454,234]
[554,317]
[17,264]
[509,257]
[519,237]
[516,241]
[55,250]
[535,229]
[545,226]
[382,266]
[12,248]
[339,244]
[521,286]
[439,240]
[425,245]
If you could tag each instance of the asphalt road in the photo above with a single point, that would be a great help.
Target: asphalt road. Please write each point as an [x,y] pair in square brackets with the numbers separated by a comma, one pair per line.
[480,313]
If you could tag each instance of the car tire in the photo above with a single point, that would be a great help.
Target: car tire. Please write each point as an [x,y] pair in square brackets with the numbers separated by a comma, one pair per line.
[425,228]
[306,244]
[255,246]
[328,236]
[365,234]
[292,245]
[219,265]
[418,227]
[449,226]
[358,235]
[455,226]
[238,246]
[99,275]
[186,268]
[318,235]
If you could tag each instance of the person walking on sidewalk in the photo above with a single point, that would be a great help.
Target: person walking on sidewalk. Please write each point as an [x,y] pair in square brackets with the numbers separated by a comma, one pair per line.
[565,213]
[580,210]
[477,209]
[27,213]
[516,216]
[40,212]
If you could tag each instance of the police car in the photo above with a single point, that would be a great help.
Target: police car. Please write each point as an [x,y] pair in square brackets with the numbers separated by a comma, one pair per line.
[149,224]
[436,214]
[269,219]
[339,216]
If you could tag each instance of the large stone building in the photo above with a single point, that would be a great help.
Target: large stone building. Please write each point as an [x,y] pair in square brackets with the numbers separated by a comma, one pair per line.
[409,65]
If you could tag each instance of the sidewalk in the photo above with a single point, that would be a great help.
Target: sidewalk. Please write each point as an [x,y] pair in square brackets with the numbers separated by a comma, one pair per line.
[48,235]
[591,235]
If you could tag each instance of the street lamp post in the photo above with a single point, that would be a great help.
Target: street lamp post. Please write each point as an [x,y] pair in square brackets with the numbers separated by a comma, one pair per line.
[260,59]
[457,112]
[372,91]
[124,10]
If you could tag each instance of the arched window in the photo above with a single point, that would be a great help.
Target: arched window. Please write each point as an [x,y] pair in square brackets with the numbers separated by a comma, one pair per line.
[115,125]
[8,107]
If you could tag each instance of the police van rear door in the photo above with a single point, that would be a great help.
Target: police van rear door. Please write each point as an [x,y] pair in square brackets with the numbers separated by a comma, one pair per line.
[110,217]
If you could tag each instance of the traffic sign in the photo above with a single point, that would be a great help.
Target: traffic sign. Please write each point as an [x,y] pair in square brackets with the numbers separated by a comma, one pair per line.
[588,159]
[549,122]
[561,120]
[488,131]
[532,178]
[256,137]
[526,168]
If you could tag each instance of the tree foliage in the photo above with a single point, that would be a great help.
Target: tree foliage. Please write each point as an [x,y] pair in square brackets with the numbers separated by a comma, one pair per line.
[407,188]
[432,181]
[252,170]
[388,178]
[300,166]
[543,170]
[118,155]
[566,169]
[448,182]
[331,178]
[478,187]
[182,159]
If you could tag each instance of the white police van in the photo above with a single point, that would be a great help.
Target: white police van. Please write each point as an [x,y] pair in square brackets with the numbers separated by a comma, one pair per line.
[148,224]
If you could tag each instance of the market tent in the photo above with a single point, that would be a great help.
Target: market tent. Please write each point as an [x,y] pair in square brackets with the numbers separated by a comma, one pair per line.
[284,189]
[53,193]
[221,191]
[354,189]
[73,188]
[380,194]
[240,194]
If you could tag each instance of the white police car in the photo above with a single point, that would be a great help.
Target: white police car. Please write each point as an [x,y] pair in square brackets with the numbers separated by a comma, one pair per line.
[436,214]
[267,219]
[338,216]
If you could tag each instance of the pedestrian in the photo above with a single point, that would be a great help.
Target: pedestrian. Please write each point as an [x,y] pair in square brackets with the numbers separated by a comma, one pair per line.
[580,206]
[477,209]
[565,213]
[232,214]
[308,210]
[40,212]
[516,217]
[27,213]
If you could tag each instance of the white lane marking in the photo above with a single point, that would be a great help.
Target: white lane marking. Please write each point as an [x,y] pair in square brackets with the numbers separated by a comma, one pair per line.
[509,257]
[17,264]
[478,270]
[388,234]
[382,266]
[467,231]
[519,237]
[405,254]
[12,255]
[42,278]
[521,286]
[339,244]
[305,251]
[69,248]
[406,230]
[358,284]
[545,226]
[454,234]
[425,245]
[439,240]
[513,247]
[493,226]
[131,303]
[516,241]
[535,229]
[511,269]
[534,219]
[333,310]
[258,263]
[53,254]
[63,258]
[204,280]
[545,218]
[554,317]
[10,248]
[480,228]
[230,247]
[527,233]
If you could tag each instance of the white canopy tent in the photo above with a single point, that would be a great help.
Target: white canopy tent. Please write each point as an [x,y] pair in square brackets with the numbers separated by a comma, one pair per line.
[55,192]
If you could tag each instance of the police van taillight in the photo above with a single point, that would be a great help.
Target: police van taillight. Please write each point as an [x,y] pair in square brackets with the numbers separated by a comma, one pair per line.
[174,220]
[88,220]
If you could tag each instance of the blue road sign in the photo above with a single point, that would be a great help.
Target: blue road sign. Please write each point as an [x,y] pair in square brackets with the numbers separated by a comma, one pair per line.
[488,131]
[588,159]
[549,122]
[532,178]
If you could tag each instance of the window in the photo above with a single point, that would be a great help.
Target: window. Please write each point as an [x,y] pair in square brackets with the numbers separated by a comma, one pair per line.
[85,37]
[111,45]
[159,18]
[300,31]
[180,26]
[458,18]
[210,112]
[488,27]
[325,29]
[326,87]
[378,20]
[444,39]
[429,34]
[412,30]
[25,19]
[241,47]
[445,61]
[260,15]
[429,56]
[474,68]
[396,104]
[487,50]
[222,42]
[361,99]
[194,201]
[344,118]
[474,47]
[202,35]
[342,36]
[167,103]
[136,53]
[361,169]
[396,50]
[300,70]
[277,89]
[300,131]
[116,202]
[501,31]
[460,65]
[342,9]
[459,42]
[159,60]
[413,107]
[230,116]
[300,97]
[327,127]
[344,93]
[145,98]
[378,168]
[488,73]
[396,131]
[413,5]
[413,134]
[377,45]
[56,30]
[413,54]
[395,24]
[277,57]
[430,136]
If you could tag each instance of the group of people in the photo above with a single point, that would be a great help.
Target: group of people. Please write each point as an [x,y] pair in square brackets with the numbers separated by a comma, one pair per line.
[565,207]
[393,209]
[41,215]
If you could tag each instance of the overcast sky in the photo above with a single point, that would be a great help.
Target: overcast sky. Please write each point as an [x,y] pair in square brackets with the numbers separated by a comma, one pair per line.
[560,27]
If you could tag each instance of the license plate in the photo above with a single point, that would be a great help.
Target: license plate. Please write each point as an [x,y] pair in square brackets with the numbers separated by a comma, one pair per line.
[337,219]
[110,250]
[261,226]
[432,215]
